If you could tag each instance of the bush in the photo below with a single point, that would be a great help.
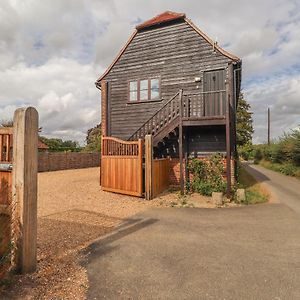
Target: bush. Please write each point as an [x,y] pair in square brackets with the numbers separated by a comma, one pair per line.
[258,156]
[282,155]
[246,151]
[207,175]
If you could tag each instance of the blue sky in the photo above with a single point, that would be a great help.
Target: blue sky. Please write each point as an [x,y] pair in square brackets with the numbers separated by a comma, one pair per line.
[51,53]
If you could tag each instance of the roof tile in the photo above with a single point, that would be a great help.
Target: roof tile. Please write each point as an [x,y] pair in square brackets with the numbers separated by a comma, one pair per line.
[161,18]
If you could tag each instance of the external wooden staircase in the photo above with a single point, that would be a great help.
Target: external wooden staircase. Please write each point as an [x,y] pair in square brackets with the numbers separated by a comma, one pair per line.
[206,108]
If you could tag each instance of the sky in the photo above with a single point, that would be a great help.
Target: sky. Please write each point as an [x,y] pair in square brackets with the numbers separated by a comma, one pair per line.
[52,52]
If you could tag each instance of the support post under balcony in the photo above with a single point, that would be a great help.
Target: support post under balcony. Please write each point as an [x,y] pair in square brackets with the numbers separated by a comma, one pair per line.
[181,169]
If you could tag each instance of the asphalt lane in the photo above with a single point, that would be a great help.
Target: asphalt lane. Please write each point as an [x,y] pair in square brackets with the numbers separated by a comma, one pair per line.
[250,252]
[285,189]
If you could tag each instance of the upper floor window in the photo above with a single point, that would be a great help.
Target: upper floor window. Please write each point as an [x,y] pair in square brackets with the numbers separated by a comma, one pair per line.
[144,90]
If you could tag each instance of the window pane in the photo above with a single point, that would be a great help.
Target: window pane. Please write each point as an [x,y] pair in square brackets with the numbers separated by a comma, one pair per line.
[133,96]
[144,94]
[133,86]
[144,84]
[144,89]
[154,89]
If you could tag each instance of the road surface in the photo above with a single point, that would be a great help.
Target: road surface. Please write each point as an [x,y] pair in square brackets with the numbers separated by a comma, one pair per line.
[249,252]
[285,189]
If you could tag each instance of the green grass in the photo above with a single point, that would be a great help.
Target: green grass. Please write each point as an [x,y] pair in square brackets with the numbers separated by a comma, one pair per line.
[254,192]
[285,168]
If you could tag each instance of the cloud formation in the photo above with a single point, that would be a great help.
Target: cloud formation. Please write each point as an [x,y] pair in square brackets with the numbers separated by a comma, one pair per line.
[51,53]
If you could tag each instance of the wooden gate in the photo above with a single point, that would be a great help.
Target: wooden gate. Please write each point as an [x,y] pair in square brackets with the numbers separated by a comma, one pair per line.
[5,167]
[5,196]
[121,166]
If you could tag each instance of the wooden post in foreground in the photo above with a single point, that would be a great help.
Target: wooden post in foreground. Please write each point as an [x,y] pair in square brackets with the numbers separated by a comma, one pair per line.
[148,167]
[24,185]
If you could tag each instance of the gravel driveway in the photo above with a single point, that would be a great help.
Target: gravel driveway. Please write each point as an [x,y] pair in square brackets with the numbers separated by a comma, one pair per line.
[72,212]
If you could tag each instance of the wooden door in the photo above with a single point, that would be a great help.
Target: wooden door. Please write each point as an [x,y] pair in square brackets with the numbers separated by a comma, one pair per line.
[214,92]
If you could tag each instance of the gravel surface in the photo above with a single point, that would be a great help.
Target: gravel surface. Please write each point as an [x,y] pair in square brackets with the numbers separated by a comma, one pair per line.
[73,211]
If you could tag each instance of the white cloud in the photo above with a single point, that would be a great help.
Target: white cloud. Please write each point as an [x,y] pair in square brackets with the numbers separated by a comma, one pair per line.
[51,53]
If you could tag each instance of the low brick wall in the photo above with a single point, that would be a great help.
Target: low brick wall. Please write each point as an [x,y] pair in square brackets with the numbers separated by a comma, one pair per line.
[174,172]
[54,161]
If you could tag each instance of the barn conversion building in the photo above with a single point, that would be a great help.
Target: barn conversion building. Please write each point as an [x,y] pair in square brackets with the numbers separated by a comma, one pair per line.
[172,81]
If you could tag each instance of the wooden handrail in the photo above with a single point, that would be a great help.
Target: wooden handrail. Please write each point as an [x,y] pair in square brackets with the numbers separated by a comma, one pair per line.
[183,105]
[143,130]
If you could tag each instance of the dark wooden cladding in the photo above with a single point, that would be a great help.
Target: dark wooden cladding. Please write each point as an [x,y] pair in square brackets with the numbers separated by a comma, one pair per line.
[176,54]
[206,139]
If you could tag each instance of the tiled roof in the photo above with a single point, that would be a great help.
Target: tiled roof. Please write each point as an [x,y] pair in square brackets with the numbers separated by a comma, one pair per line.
[161,18]
[42,145]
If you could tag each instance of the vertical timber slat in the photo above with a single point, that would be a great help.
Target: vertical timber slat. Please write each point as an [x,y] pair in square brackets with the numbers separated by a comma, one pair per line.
[148,166]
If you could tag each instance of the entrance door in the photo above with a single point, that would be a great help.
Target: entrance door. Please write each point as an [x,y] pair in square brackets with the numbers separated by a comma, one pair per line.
[214,92]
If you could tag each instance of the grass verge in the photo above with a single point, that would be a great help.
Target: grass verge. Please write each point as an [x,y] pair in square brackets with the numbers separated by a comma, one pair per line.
[285,168]
[255,193]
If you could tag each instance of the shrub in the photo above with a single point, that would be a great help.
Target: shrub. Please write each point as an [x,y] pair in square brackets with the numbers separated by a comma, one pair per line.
[246,151]
[258,155]
[207,175]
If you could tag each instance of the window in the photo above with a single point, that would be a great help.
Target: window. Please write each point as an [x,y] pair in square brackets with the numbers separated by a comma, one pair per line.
[144,90]
[154,89]
[133,91]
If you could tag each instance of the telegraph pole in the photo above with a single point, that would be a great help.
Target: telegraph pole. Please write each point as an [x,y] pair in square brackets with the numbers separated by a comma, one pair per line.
[269,125]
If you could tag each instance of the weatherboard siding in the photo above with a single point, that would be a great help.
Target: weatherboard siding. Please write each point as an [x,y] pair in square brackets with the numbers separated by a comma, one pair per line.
[175,53]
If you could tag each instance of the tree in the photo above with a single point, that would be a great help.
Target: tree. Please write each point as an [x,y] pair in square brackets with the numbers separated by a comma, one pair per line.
[244,122]
[93,139]
[58,145]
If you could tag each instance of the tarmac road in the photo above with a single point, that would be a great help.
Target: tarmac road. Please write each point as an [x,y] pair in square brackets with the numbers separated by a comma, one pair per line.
[250,252]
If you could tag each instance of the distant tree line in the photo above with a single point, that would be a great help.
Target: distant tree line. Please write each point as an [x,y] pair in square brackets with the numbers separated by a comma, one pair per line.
[59,145]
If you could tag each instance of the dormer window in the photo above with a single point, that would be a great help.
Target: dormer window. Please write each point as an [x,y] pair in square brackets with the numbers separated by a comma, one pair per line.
[142,90]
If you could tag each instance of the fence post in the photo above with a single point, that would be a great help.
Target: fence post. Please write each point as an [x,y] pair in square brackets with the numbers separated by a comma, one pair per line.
[148,167]
[24,187]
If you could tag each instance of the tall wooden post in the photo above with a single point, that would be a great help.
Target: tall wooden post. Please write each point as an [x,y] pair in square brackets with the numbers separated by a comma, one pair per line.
[269,120]
[24,186]
[181,169]
[148,167]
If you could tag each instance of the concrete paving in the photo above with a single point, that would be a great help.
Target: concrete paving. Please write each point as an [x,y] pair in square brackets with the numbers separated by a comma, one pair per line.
[248,252]
[285,189]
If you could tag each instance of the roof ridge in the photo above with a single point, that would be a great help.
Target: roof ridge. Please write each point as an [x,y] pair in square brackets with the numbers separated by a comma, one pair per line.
[164,17]
[189,22]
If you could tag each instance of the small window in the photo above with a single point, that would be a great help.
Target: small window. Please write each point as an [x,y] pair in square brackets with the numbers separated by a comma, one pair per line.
[154,89]
[144,90]
[133,91]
